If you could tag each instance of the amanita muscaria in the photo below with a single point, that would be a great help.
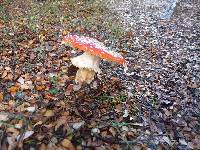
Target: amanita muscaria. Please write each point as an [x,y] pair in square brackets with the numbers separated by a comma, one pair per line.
[88,62]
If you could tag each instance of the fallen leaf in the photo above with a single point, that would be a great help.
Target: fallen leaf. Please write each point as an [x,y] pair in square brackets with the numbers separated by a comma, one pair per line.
[21,80]
[76,87]
[137,147]
[1,22]
[182,142]
[167,140]
[38,123]
[3,117]
[4,74]
[10,76]
[40,87]
[27,134]
[115,79]
[66,58]
[123,51]
[69,89]
[67,144]
[14,131]
[60,122]
[8,68]
[125,113]
[24,87]
[138,124]
[1,96]
[13,90]
[43,146]
[125,128]
[78,125]
[32,56]
[31,109]
[116,147]
[104,133]
[112,131]
[11,103]
[95,130]
[49,113]
[11,142]
[19,124]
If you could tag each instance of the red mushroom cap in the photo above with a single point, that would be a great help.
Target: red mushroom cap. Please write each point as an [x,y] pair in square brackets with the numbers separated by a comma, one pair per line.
[94,47]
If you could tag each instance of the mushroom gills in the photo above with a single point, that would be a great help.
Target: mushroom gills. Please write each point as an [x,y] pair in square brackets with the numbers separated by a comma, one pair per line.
[88,65]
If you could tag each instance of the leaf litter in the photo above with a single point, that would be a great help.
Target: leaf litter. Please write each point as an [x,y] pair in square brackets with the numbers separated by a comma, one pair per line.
[155,105]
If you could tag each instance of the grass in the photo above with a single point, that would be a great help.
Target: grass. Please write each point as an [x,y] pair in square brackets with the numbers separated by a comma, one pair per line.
[71,15]
[4,15]
[113,99]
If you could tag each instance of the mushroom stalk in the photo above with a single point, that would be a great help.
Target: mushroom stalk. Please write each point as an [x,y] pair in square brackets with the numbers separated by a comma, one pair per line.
[88,65]
[88,62]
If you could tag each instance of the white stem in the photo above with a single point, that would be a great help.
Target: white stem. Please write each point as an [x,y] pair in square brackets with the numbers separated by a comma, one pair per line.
[88,64]
[84,76]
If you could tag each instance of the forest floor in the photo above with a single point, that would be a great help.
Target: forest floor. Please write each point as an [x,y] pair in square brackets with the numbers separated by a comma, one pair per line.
[41,107]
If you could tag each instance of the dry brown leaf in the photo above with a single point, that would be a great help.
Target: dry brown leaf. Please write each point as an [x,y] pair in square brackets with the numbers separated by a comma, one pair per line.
[112,131]
[10,76]
[69,89]
[19,124]
[11,103]
[14,131]
[49,113]
[40,87]
[48,96]
[43,146]
[1,23]
[13,90]
[4,74]
[24,86]
[123,51]
[67,144]
[104,133]
[62,120]
[66,58]
[32,56]
[8,68]
[116,146]
[118,108]
[4,117]
[1,96]
[38,123]
[31,42]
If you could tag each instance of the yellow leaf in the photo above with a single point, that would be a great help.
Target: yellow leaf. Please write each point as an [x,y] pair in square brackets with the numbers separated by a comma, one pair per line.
[11,103]
[49,113]
[38,123]
[13,90]
[40,87]
[67,144]
[1,96]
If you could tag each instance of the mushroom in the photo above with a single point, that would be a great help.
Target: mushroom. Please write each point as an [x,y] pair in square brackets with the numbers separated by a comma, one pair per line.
[88,62]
